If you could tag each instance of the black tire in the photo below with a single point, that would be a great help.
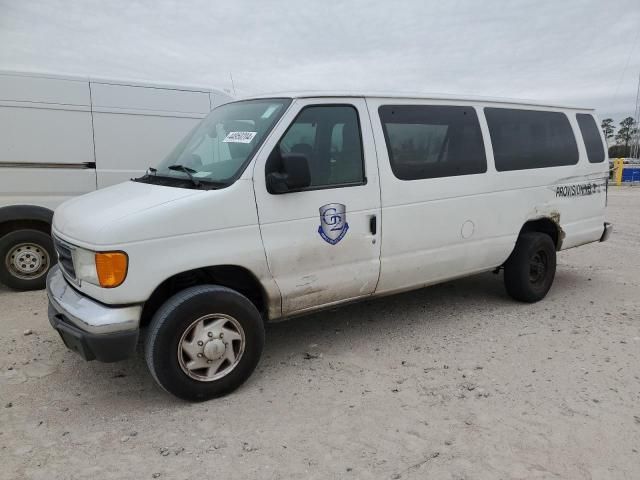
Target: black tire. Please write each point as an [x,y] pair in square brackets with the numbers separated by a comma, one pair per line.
[176,316]
[531,267]
[38,249]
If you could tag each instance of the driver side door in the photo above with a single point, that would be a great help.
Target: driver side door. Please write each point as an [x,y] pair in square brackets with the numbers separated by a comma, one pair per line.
[322,241]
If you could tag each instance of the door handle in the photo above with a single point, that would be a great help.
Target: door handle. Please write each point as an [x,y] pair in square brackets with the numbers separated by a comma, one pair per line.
[373,224]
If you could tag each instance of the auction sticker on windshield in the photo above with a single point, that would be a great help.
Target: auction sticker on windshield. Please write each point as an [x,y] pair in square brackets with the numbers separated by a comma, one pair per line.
[239,137]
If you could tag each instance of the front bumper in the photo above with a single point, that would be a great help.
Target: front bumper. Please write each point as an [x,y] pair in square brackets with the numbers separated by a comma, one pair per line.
[94,330]
[608,228]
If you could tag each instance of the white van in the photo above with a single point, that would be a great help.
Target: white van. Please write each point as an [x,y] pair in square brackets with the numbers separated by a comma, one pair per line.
[63,136]
[278,206]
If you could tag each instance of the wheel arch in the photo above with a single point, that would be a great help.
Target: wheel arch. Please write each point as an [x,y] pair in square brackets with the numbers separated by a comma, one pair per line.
[549,225]
[234,277]
[15,217]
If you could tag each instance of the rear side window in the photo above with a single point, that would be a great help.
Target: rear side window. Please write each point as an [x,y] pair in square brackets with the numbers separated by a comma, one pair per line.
[431,141]
[524,139]
[591,137]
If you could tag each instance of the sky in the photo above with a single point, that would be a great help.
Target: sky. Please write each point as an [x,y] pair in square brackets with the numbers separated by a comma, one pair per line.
[584,53]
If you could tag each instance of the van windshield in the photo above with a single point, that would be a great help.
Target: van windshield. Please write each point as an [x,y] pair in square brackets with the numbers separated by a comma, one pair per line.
[215,153]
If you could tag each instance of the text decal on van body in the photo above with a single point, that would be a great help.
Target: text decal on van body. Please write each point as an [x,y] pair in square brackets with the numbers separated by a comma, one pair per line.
[580,189]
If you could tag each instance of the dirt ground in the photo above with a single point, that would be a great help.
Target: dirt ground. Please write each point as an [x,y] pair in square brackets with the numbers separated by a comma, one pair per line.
[455,381]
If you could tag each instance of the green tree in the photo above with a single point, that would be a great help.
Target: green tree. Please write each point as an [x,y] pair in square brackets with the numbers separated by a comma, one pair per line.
[607,128]
[626,131]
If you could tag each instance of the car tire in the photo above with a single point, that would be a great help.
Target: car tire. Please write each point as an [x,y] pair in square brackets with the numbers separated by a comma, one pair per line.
[25,258]
[530,269]
[204,342]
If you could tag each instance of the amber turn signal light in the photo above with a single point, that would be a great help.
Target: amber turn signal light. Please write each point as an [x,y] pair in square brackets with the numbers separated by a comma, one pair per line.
[111,268]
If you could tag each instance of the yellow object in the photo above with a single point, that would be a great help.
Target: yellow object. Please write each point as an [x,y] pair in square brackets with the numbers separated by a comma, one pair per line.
[111,268]
[618,166]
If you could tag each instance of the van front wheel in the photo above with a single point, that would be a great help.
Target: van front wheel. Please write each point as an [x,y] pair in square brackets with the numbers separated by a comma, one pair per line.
[531,267]
[204,342]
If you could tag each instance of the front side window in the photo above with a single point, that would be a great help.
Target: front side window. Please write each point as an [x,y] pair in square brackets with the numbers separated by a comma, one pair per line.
[329,136]
[431,141]
[591,137]
[216,152]
[524,139]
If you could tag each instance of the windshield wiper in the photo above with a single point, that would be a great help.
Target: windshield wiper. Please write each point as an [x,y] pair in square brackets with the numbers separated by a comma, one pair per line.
[188,171]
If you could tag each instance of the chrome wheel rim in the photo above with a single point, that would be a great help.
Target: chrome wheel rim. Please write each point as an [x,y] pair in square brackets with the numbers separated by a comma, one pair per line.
[211,347]
[27,261]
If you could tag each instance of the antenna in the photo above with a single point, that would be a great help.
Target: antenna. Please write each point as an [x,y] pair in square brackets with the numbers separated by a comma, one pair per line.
[232,84]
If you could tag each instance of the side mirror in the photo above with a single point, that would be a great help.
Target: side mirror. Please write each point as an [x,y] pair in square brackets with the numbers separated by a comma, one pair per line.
[294,174]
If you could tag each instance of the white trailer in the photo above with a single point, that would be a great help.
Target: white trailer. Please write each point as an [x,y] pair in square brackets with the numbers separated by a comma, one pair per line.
[62,136]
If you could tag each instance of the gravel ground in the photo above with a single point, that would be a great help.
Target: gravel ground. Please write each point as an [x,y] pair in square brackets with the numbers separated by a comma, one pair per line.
[455,381]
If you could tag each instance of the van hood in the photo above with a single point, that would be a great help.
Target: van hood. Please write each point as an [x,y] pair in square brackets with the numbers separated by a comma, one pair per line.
[89,217]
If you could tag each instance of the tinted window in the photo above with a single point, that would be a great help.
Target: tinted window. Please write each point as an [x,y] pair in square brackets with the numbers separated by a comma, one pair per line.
[591,137]
[330,138]
[525,139]
[428,141]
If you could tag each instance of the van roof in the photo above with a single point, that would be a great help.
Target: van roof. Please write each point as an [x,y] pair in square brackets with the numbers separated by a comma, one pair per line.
[113,81]
[413,95]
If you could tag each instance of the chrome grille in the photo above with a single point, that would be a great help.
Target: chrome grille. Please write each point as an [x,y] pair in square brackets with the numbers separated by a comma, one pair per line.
[65,257]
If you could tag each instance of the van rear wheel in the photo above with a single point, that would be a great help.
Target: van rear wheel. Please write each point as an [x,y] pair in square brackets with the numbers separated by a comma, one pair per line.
[530,269]
[204,342]
[25,258]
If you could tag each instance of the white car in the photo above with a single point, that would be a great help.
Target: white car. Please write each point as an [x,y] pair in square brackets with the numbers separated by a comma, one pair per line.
[63,136]
[278,206]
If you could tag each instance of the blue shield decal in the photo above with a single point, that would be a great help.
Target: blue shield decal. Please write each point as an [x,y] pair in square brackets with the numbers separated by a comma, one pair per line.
[333,222]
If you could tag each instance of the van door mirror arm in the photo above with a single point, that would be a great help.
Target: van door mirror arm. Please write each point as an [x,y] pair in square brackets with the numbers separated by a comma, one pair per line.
[277,183]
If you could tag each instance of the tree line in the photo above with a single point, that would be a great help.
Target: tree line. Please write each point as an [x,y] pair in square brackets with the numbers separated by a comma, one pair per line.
[623,138]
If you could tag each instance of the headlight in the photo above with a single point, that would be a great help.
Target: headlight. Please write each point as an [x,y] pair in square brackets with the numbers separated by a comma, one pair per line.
[105,269]
[84,264]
